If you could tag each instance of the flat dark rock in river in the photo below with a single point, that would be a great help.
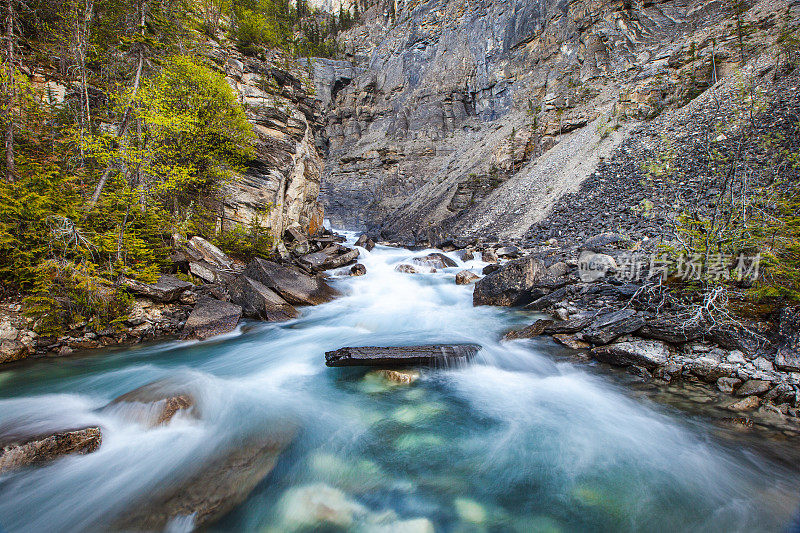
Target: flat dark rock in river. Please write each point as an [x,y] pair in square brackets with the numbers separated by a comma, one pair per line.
[432,355]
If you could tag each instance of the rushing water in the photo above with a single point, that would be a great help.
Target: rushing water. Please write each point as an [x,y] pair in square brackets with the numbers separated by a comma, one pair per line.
[514,441]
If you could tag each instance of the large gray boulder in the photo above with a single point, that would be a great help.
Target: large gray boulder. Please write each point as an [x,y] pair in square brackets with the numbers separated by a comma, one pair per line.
[211,317]
[511,284]
[431,355]
[291,284]
[647,353]
[18,452]
[331,257]
[258,301]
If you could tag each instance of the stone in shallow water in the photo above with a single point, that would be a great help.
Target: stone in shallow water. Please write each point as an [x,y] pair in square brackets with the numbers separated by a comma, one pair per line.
[435,260]
[470,511]
[418,442]
[34,450]
[400,377]
[318,506]
[465,277]
[356,476]
[221,485]
[154,404]
[431,355]
[747,404]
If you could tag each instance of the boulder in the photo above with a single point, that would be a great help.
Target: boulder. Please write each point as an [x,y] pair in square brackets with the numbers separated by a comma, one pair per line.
[406,269]
[788,355]
[753,387]
[430,355]
[593,266]
[465,277]
[154,404]
[290,283]
[728,385]
[365,242]
[224,482]
[709,369]
[166,289]
[358,270]
[671,329]
[572,325]
[12,350]
[258,301]
[202,249]
[211,317]
[468,255]
[734,336]
[646,353]
[558,270]
[510,285]
[33,450]
[608,327]
[489,256]
[205,271]
[331,257]
[508,251]
[435,260]
[488,269]
[294,234]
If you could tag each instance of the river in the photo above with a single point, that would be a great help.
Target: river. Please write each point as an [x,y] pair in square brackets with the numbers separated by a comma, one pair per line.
[517,440]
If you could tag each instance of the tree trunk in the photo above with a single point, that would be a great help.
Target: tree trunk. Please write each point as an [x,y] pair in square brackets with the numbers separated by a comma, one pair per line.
[122,132]
[11,91]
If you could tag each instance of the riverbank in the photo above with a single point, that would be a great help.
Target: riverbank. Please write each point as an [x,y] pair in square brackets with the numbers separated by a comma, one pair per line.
[360,449]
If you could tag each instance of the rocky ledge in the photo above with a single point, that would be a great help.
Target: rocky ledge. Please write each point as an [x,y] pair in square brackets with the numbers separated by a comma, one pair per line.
[634,325]
[222,292]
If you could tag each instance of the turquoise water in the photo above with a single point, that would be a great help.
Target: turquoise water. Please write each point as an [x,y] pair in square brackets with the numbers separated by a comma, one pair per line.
[515,441]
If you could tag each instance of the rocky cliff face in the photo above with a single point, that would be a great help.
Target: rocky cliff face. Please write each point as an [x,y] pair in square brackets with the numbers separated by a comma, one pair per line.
[280,187]
[478,118]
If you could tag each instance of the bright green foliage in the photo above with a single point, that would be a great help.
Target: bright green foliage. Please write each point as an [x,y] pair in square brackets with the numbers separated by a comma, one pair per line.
[196,133]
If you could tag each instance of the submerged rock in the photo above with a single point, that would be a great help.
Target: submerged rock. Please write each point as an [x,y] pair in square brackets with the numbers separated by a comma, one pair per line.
[159,402]
[290,283]
[211,317]
[431,355]
[402,377]
[317,506]
[35,450]
[223,483]
[747,404]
